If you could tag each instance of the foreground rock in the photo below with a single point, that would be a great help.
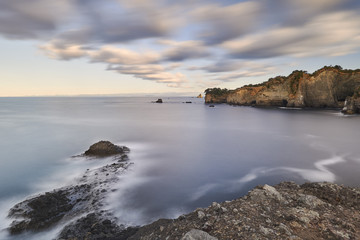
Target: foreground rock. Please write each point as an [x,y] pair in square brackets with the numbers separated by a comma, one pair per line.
[105,149]
[67,205]
[286,211]
[328,87]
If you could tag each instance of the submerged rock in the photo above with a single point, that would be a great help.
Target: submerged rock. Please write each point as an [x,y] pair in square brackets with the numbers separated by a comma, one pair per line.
[105,149]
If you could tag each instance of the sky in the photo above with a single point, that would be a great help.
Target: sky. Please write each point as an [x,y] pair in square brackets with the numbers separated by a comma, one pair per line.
[81,47]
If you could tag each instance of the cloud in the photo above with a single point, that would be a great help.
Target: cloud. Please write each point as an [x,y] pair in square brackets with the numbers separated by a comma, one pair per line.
[152,72]
[226,22]
[335,33]
[23,20]
[58,50]
[217,39]
[114,55]
[181,51]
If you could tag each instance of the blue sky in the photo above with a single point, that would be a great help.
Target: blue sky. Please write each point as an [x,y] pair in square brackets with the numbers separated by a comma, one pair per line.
[73,47]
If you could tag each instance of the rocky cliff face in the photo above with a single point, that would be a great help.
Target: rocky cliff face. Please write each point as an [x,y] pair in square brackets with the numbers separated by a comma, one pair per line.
[326,88]
[352,104]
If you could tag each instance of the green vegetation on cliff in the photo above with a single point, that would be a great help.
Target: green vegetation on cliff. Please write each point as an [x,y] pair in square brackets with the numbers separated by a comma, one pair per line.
[217,91]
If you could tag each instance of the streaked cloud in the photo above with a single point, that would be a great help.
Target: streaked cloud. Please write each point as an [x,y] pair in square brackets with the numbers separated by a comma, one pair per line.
[166,42]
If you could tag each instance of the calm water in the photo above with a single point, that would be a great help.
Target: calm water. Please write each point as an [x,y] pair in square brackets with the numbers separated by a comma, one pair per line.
[185,155]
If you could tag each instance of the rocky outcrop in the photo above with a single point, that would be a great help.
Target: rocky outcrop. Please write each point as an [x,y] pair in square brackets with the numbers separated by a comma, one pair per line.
[67,205]
[326,88]
[285,211]
[105,149]
[352,104]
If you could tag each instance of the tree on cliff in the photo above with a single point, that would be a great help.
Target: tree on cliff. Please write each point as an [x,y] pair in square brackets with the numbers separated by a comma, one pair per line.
[216,91]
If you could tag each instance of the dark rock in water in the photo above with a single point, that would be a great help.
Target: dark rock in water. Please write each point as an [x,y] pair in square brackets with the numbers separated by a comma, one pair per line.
[41,212]
[92,227]
[104,149]
[188,102]
[159,100]
[86,195]
[211,105]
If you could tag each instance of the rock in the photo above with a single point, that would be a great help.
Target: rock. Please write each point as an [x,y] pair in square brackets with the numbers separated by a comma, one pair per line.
[91,227]
[195,234]
[159,101]
[201,214]
[84,195]
[216,206]
[352,104]
[40,212]
[200,96]
[211,106]
[284,211]
[325,88]
[104,149]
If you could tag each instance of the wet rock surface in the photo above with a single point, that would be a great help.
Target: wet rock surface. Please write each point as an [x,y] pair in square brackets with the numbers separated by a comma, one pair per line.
[105,149]
[67,205]
[286,211]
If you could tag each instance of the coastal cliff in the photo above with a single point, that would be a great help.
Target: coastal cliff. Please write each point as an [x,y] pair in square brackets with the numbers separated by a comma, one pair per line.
[328,87]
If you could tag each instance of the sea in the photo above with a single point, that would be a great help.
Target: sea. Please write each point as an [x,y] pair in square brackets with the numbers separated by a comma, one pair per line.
[184,155]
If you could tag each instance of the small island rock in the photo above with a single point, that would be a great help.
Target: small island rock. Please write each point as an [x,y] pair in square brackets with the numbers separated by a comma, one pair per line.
[105,149]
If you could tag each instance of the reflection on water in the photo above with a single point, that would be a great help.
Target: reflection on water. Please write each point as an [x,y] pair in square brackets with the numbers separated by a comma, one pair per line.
[185,155]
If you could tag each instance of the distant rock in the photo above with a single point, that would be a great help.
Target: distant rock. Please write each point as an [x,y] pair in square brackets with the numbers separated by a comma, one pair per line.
[200,96]
[159,101]
[105,149]
[211,106]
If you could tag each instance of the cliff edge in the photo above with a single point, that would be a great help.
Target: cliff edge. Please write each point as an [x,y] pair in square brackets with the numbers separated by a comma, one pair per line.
[328,87]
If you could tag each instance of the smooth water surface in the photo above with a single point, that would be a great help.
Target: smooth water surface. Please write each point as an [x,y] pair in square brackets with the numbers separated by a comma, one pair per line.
[185,155]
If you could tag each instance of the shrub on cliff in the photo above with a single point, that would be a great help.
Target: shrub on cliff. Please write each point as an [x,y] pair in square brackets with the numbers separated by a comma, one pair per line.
[217,91]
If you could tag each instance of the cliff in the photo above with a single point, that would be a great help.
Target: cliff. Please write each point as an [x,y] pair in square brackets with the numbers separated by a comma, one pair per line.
[328,87]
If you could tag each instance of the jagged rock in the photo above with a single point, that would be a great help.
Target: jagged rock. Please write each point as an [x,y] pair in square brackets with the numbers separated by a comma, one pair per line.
[104,149]
[196,234]
[91,227]
[352,104]
[159,101]
[65,204]
[284,211]
[40,212]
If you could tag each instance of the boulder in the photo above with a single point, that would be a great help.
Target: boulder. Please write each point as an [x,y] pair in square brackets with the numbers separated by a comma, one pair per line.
[159,100]
[195,234]
[105,149]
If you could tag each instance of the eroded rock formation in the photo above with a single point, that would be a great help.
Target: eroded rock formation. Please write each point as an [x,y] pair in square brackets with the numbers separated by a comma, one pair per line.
[328,87]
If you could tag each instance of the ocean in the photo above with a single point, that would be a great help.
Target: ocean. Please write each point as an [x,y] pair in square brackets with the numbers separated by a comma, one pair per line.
[185,155]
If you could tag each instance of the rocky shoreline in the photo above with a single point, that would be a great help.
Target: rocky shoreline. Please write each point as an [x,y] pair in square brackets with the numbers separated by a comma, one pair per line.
[79,206]
[284,211]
